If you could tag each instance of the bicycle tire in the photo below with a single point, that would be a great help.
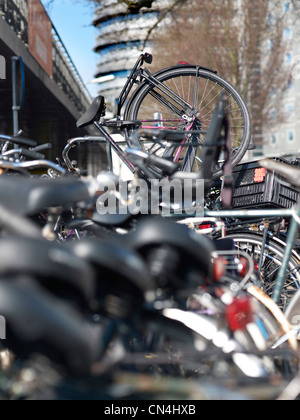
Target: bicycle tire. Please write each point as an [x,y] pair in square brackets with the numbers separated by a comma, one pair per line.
[214,84]
[271,263]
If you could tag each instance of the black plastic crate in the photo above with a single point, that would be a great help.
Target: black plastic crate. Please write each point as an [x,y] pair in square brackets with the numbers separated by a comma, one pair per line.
[255,187]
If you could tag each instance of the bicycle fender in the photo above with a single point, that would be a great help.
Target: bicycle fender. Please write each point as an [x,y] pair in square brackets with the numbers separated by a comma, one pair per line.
[181,65]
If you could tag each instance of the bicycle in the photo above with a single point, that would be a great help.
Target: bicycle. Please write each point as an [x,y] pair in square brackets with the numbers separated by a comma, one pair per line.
[181,98]
[137,311]
[14,159]
[278,262]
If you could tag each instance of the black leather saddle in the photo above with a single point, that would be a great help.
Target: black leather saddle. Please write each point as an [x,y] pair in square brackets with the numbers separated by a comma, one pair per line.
[38,323]
[28,197]
[120,271]
[53,266]
[185,255]
[94,112]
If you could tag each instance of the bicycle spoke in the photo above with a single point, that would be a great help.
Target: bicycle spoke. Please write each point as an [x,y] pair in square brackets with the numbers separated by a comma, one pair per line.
[271,264]
[190,95]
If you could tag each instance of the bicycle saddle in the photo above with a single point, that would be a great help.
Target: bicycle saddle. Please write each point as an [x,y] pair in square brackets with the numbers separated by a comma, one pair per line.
[110,220]
[52,265]
[179,247]
[289,172]
[119,270]
[37,323]
[30,196]
[94,112]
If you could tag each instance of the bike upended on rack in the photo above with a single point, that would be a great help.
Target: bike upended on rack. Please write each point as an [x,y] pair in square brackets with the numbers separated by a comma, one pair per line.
[182,99]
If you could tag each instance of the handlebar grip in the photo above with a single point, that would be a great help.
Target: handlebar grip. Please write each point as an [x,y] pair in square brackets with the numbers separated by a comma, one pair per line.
[19,141]
[165,165]
[31,154]
[42,147]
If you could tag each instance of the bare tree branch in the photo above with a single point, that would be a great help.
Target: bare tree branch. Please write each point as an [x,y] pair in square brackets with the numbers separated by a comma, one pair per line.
[245,44]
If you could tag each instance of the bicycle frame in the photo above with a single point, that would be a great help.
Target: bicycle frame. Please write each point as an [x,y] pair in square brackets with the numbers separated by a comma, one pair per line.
[145,75]
[170,100]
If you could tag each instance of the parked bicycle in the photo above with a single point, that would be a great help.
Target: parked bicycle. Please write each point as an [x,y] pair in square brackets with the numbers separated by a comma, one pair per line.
[182,99]
[136,312]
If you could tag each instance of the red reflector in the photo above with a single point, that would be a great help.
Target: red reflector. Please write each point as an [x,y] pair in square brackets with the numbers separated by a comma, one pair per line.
[202,227]
[239,314]
[219,268]
[184,63]
[243,267]
[260,174]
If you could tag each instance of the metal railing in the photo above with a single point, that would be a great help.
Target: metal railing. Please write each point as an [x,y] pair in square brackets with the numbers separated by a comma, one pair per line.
[67,76]
[65,73]
[15,13]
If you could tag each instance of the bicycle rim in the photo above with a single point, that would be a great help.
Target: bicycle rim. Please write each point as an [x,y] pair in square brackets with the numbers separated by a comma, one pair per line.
[201,89]
[252,244]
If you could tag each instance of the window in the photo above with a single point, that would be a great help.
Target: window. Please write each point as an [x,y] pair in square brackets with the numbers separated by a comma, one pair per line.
[273,139]
[290,110]
[273,115]
[290,84]
[291,135]
[289,58]
[287,6]
[288,33]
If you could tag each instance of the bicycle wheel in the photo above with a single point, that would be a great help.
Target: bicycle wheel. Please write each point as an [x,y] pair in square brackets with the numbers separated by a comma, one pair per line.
[199,90]
[273,253]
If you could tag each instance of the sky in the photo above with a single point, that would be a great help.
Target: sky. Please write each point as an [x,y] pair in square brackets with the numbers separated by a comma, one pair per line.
[73,22]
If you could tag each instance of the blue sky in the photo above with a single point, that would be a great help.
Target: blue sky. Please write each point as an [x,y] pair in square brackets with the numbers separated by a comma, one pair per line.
[73,21]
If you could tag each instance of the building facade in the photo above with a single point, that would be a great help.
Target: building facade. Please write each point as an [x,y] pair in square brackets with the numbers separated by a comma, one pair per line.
[284,138]
[122,35]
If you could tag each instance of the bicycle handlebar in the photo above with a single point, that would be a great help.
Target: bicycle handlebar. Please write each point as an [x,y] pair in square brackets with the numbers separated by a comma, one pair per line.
[36,164]
[24,152]
[42,147]
[141,158]
[165,165]
[71,143]
[19,141]
[32,154]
